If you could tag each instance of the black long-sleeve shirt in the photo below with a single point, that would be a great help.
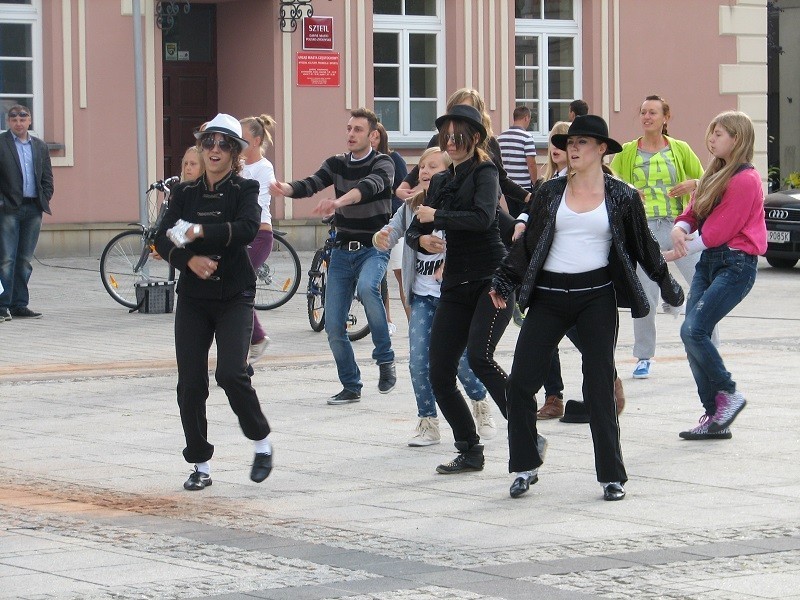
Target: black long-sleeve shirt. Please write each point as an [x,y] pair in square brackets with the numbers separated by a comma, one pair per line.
[465,199]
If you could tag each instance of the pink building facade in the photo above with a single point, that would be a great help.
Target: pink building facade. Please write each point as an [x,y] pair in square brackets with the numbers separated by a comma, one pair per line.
[73,62]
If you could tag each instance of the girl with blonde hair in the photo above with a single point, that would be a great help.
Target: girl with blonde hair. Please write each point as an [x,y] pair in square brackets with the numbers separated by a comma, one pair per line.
[727,211]
[421,282]
[256,131]
[192,164]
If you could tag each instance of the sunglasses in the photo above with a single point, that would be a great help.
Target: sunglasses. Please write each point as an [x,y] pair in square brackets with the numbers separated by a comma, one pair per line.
[459,139]
[14,115]
[208,143]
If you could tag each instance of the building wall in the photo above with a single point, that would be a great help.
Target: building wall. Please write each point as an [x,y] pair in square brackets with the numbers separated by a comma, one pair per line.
[703,56]
[655,57]
[789,88]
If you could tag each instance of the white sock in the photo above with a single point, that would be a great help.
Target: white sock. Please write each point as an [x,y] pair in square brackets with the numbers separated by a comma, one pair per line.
[263,446]
[609,483]
[527,474]
[204,467]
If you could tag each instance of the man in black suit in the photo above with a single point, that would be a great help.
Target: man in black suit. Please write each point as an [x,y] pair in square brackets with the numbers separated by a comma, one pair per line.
[26,186]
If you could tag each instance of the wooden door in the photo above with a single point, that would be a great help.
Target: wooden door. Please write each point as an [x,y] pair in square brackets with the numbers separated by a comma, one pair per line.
[190,79]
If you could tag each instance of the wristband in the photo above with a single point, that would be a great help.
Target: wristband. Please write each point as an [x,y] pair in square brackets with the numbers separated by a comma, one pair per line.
[196,230]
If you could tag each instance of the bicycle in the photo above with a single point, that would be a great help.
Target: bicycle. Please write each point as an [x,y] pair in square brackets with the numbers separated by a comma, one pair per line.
[357,325]
[128,257]
[278,279]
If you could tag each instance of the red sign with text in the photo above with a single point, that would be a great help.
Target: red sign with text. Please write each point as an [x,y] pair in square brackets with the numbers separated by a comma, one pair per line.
[319,69]
[318,33]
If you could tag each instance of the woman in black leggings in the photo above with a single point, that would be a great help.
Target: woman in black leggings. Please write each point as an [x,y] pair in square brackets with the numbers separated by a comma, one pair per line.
[462,202]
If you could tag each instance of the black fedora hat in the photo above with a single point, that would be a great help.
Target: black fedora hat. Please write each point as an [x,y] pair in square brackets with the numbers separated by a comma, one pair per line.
[587,126]
[468,114]
[575,412]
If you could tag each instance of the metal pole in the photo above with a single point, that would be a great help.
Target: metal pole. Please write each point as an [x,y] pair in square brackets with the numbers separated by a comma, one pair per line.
[141,141]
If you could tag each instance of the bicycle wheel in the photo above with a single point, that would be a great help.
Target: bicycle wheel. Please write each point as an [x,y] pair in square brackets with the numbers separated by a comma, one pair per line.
[117,264]
[315,294]
[278,278]
[357,325]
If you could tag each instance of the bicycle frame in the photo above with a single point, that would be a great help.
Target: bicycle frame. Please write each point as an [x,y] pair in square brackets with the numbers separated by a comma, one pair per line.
[149,233]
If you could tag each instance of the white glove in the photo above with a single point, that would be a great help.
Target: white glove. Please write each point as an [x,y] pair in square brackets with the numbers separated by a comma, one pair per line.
[675,311]
[177,234]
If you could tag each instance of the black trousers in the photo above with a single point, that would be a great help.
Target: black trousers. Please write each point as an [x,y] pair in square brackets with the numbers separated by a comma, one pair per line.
[466,318]
[197,323]
[593,312]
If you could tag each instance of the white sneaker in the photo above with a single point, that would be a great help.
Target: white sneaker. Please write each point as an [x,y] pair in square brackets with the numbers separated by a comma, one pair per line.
[427,433]
[392,328]
[257,351]
[483,419]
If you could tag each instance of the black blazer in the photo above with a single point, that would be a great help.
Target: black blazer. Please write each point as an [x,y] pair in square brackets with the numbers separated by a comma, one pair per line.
[230,216]
[632,242]
[11,173]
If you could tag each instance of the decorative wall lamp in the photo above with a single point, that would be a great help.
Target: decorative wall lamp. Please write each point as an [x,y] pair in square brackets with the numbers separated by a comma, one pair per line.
[166,11]
[292,11]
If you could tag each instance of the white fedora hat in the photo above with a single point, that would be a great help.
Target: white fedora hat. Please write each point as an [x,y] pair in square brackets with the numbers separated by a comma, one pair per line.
[226,125]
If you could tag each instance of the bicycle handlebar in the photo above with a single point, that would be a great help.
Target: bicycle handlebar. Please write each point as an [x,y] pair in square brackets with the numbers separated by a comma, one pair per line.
[163,185]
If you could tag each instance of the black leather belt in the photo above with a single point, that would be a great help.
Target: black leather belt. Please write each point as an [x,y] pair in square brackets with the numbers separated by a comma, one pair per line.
[31,200]
[350,246]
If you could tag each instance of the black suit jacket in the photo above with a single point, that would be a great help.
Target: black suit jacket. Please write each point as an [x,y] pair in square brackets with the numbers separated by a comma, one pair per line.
[11,173]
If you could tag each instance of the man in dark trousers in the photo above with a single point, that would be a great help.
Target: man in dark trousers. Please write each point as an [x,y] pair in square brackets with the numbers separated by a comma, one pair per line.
[26,186]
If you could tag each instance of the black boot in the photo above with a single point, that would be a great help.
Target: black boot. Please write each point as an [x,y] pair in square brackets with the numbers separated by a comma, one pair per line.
[388,378]
[468,459]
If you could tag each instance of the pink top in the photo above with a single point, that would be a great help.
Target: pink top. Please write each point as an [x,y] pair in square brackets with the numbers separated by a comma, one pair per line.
[738,220]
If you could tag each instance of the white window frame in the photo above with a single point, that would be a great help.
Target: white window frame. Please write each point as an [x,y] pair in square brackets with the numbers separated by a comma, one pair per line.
[544,29]
[404,26]
[29,14]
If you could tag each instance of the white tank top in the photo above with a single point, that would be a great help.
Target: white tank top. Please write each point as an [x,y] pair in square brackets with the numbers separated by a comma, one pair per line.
[582,240]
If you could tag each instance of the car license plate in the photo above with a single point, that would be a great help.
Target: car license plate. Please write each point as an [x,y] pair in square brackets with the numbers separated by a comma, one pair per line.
[778,237]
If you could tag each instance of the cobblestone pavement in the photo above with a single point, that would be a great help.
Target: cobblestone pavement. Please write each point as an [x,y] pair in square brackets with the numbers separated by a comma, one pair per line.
[91,505]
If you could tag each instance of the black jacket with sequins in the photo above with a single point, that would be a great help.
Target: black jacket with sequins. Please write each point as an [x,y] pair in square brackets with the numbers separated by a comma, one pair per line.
[632,242]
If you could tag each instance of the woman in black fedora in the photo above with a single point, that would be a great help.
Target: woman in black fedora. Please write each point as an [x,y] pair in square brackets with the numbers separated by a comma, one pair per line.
[575,265]
[462,203]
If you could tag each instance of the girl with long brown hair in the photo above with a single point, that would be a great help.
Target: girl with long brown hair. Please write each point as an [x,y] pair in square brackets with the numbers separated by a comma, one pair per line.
[727,211]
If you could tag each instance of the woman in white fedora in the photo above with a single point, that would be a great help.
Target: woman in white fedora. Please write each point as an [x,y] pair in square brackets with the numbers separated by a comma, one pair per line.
[205,233]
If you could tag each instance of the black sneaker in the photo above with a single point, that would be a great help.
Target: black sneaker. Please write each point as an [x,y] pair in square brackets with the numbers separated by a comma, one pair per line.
[197,481]
[388,378]
[23,312]
[467,460]
[4,315]
[345,397]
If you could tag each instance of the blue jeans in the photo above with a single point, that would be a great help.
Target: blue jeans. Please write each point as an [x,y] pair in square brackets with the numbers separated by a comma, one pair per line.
[722,279]
[356,272]
[419,340]
[19,233]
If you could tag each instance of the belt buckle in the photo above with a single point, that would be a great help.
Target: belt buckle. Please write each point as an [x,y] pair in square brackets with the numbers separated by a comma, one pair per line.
[353,246]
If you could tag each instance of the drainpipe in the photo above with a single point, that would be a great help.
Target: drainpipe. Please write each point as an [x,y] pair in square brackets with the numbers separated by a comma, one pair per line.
[141,147]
